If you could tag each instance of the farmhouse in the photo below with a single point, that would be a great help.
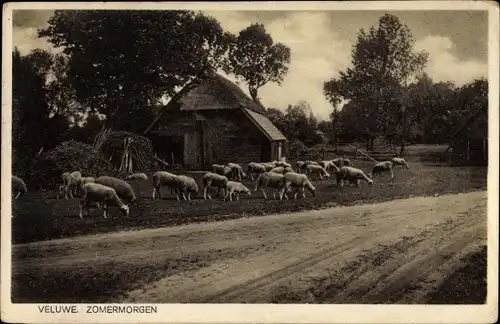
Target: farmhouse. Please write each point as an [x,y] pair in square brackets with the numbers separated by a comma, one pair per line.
[211,120]
[470,140]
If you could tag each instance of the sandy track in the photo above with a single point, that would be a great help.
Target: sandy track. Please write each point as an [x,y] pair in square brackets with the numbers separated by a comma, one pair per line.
[395,252]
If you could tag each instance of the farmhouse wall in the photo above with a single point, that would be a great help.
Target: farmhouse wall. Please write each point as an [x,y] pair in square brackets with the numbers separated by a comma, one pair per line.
[208,137]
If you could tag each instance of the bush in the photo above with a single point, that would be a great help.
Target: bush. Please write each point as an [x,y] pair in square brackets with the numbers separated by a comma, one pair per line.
[69,156]
[296,150]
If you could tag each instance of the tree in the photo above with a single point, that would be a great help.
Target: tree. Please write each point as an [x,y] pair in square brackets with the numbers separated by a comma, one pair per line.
[301,123]
[30,111]
[383,62]
[256,59]
[122,62]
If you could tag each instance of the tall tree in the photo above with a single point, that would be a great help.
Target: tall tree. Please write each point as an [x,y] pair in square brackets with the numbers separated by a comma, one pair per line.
[30,111]
[122,62]
[383,62]
[256,59]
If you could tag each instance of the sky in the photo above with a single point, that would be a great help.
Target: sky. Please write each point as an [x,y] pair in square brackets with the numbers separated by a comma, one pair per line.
[321,43]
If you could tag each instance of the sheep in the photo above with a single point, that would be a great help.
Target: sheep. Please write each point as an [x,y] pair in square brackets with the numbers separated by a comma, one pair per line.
[351,174]
[223,170]
[136,176]
[95,192]
[268,165]
[282,164]
[187,186]
[273,180]
[236,171]
[346,162]
[300,166]
[317,170]
[211,179]
[233,187]
[165,179]
[279,170]
[123,189]
[288,169]
[18,187]
[328,165]
[382,167]
[308,162]
[338,162]
[399,161]
[255,168]
[70,185]
[299,181]
[84,180]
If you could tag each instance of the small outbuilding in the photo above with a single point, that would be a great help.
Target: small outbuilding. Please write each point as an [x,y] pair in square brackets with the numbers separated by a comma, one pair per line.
[211,120]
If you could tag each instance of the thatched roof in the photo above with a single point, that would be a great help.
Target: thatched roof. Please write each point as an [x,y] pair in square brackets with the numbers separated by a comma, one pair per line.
[215,92]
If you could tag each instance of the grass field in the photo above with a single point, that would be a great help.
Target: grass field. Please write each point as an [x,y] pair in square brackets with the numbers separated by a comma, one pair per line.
[39,216]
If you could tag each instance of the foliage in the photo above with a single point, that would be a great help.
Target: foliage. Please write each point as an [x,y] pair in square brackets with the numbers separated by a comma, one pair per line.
[296,150]
[255,58]
[69,156]
[383,62]
[30,113]
[122,62]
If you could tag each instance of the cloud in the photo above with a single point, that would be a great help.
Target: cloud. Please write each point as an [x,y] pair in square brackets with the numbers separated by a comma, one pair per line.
[444,65]
[26,39]
[318,54]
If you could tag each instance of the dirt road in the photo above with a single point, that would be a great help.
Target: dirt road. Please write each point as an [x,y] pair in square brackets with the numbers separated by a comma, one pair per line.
[393,252]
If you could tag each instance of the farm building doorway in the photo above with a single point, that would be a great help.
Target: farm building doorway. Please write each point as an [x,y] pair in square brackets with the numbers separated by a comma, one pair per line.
[169,148]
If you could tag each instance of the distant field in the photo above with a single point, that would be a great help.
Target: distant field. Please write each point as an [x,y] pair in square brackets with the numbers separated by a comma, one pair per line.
[39,216]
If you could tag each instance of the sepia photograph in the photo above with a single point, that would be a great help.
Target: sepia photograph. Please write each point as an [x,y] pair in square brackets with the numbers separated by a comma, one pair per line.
[263,154]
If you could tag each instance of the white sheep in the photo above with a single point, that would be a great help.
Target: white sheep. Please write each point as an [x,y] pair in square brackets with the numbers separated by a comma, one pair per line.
[299,181]
[279,170]
[211,179]
[223,170]
[268,165]
[282,164]
[123,189]
[317,170]
[136,176]
[351,174]
[237,172]
[300,166]
[382,167]
[346,162]
[233,187]
[95,192]
[399,161]
[18,187]
[165,179]
[272,180]
[70,185]
[255,168]
[186,186]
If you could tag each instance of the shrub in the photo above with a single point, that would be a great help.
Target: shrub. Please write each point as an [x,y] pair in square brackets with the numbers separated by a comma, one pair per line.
[69,156]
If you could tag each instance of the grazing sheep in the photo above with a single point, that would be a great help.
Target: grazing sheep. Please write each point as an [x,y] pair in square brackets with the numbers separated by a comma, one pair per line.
[346,162]
[338,162]
[351,174]
[165,179]
[282,164]
[223,170]
[288,169]
[309,162]
[136,176]
[95,192]
[18,187]
[279,170]
[268,165]
[317,170]
[233,187]
[382,167]
[272,180]
[123,189]
[84,180]
[186,186]
[299,181]
[70,185]
[211,179]
[236,171]
[399,161]
[300,166]
[255,168]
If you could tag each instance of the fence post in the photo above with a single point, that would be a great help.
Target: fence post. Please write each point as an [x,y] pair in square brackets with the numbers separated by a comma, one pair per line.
[468,150]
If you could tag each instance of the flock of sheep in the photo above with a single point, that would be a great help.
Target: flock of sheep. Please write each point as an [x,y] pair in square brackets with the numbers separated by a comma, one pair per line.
[279,175]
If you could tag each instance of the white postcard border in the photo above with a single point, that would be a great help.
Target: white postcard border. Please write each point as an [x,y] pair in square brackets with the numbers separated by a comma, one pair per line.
[263,313]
